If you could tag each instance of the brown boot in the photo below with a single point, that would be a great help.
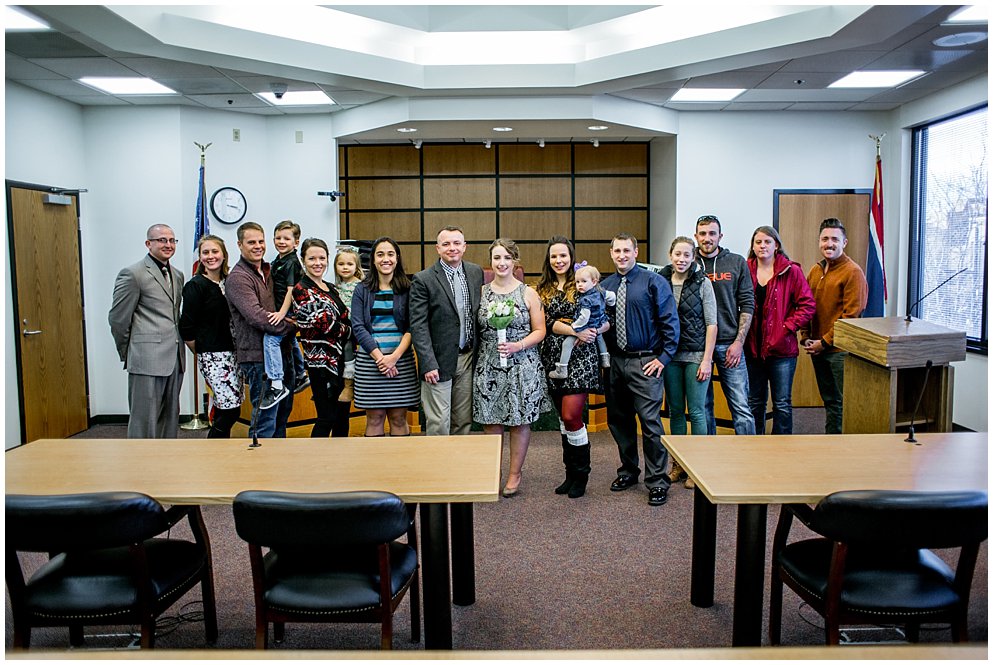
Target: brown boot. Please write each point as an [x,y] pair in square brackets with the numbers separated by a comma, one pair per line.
[676,472]
[689,484]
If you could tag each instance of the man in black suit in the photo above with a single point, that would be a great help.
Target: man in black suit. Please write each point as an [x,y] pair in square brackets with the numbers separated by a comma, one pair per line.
[444,299]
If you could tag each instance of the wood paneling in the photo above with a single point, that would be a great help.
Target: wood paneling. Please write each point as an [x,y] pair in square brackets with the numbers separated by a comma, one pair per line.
[460,193]
[611,192]
[535,224]
[384,160]
[612,158]
[477,224]
[605,224]
[532,257]
[458,160]
[596,254]
[400,226]
[529,159]
[535,192]
[477,253]
[384,194]
[411,252]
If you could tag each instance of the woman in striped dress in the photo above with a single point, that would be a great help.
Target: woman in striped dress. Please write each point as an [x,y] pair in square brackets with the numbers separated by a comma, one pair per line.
[385,372]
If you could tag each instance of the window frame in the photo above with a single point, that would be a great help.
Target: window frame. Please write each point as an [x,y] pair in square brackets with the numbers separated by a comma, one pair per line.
[918,207]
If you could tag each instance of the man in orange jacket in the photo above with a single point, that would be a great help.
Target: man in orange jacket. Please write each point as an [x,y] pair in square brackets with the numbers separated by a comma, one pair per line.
[841,292]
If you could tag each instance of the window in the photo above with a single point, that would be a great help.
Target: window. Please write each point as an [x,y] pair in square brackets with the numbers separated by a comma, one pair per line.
[949,225]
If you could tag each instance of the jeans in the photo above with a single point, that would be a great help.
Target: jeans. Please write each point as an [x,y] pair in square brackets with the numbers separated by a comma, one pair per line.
[829,370]
[630,393]
[682,392]
[269,423]
[777,374]
[734,382]
[273,357]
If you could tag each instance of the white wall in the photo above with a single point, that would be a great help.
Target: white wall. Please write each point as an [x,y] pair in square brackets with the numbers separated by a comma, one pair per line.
[44,146]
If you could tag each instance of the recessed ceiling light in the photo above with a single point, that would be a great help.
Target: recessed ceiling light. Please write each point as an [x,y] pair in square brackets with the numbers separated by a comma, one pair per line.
[304,98]
[127,85]
[406,130]
[706,94]
[960,39]
[597,128]
[503,129]
[16,19]
[876,79]
[973,14]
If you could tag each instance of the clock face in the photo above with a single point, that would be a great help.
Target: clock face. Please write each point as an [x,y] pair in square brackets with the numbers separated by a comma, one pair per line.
[228,205]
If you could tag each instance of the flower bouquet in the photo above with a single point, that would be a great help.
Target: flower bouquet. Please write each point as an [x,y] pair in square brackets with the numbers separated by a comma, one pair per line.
[499,314]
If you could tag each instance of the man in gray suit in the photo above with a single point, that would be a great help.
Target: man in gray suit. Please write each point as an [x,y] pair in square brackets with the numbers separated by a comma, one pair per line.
[144,320]
[443,303]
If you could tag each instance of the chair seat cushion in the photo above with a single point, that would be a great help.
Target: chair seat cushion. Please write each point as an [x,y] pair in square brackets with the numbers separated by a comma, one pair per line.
[328,584]
[98,583]
[902,583]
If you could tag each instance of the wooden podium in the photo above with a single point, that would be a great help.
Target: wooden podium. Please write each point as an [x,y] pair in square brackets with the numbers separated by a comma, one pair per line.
[885,373]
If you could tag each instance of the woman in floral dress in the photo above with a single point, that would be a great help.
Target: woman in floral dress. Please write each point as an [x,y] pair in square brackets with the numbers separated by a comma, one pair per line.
[509,394]
[557,291]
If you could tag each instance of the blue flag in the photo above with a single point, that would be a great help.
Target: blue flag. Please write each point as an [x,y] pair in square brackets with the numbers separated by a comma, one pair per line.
[202,225]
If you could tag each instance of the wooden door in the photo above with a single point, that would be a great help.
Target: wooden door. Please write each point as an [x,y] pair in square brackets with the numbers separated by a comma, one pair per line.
[48,311]
[799,216]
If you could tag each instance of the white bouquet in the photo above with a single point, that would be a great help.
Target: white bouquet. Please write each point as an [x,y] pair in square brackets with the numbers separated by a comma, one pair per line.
[499,314]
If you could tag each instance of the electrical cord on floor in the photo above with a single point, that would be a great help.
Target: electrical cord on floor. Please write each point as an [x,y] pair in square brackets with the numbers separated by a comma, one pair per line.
[845,639]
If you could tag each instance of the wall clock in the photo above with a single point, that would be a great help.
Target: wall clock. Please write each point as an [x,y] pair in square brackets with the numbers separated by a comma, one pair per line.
[228,205]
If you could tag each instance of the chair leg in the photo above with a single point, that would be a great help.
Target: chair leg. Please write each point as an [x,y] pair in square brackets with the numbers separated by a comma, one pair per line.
[261,632]
[960,628]
[148,633]
[76,636]
[22,634]
[278,631]
[913,632]
[415,608]
[209,606]
[775,607]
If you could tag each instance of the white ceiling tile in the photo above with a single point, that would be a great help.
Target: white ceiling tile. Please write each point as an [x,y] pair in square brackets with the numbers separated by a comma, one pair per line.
[60,87]
[820,106]
[873,106]
[159,100]
[95,100]
[811,81]
[157,68]
[262,83]
[220,85]
[927,60]
[75,68]
[735,79]
[757,106]
[830,95]
[240,101]
[647,95]
[19,68]
[835,62]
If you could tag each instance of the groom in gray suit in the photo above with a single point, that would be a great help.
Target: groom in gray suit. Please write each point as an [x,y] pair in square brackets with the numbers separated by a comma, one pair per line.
[444,299]
[144,320]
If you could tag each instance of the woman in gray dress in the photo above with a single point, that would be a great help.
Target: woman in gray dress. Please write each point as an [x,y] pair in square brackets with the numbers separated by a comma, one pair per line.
[509,383]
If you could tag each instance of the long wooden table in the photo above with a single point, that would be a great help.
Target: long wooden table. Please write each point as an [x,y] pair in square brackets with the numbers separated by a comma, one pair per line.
[755,471]
[435,471]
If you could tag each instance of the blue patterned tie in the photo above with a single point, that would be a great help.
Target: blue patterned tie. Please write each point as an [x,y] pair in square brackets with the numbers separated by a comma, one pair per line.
[620,318]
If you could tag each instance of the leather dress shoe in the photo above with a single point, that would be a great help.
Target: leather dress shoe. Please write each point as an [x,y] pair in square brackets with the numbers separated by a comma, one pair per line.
[657,496]
[623,482]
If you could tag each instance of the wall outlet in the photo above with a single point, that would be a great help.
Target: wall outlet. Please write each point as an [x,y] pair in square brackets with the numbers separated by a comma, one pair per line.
[299,136]
[235,134]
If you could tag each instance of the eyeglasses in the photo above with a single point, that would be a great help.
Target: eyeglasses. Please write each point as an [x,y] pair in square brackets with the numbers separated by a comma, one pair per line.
[164,241]
[707,218]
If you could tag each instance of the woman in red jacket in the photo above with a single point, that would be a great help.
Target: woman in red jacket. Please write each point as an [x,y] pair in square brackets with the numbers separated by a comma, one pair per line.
[783,305]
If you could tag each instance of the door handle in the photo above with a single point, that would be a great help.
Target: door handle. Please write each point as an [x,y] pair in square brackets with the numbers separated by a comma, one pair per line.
[26,332]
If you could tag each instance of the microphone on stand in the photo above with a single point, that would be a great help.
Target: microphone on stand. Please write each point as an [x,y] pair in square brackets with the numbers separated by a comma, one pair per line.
[918,301]
[927,371]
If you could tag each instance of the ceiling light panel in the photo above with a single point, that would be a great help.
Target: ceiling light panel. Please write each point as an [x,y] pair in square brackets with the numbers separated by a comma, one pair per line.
[706,94]
[876,79]
[17,20]
[971,14]
[126,85]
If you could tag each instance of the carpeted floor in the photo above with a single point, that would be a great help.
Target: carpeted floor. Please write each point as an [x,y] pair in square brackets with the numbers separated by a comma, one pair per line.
[606,571]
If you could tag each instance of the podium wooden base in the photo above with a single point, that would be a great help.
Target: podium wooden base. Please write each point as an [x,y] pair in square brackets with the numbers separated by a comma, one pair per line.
[881,399]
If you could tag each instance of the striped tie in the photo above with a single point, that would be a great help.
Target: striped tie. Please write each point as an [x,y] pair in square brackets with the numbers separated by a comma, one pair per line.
[622,328]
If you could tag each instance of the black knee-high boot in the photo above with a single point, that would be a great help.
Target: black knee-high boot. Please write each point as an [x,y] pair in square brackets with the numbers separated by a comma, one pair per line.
[580,443]
[342,413]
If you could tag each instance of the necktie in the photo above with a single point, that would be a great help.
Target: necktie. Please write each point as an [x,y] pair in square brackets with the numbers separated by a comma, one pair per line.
[458,286]
[622,328]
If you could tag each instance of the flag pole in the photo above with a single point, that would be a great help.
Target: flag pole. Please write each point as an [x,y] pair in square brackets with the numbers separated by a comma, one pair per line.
[195,423]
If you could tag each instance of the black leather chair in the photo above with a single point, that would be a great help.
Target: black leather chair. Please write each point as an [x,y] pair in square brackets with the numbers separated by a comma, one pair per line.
[105,566]
[333,558]
[873,565]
